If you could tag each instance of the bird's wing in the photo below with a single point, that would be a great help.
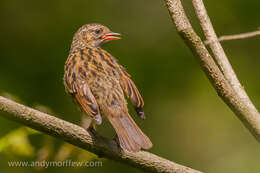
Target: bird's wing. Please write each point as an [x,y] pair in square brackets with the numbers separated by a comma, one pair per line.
[86,99]
[80,90]
[132,92]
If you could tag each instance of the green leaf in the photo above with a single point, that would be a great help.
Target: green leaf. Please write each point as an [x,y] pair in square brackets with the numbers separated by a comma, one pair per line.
[17,142]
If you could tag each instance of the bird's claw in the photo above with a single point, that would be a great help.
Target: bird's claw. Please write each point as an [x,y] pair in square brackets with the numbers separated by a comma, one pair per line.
[92,130]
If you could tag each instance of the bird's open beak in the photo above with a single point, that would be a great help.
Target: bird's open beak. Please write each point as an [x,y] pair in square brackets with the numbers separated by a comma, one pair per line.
[111,36]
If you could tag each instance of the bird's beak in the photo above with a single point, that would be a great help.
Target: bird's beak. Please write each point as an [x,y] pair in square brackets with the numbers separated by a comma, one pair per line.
[111,36]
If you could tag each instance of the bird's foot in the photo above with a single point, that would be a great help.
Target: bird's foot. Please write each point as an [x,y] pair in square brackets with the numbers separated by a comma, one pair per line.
[92,131]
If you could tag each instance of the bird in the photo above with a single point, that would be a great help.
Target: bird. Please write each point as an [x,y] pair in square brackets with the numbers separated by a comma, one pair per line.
[98,84]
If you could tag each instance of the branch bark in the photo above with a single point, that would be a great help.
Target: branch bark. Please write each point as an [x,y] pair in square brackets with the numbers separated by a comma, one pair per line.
[78,136]
[236,36]
[251,115]
[221,76]
[219,53]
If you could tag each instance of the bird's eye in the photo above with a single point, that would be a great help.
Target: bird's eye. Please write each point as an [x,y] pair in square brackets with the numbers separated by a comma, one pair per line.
[97,31]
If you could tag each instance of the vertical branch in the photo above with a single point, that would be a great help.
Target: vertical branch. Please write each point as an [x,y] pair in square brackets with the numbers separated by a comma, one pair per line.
[219,53]
[224,80]
[223,63]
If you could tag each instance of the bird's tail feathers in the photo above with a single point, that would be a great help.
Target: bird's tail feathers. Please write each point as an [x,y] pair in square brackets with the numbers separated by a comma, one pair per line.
[130,136]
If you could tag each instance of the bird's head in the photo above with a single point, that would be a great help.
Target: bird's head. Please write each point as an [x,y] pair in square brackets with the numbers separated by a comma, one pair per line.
[94,35]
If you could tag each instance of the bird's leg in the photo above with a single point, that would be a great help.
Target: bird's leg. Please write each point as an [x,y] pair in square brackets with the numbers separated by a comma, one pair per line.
[96,120]
[85,121]
[89,124]
[92,128]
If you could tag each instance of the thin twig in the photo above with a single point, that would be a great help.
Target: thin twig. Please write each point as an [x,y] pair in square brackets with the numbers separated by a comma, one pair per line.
[236,36]
[239,105]
[78,136]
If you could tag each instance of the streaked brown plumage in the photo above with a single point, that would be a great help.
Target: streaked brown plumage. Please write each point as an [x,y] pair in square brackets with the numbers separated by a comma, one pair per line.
[97,82]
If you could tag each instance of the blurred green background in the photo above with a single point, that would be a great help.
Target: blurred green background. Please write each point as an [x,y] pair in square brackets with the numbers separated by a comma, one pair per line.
[186,120]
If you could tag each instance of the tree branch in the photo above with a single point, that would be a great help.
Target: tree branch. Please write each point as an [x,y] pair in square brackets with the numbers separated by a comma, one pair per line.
[236,36]
[219,53]
[78,136]
[224,80]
